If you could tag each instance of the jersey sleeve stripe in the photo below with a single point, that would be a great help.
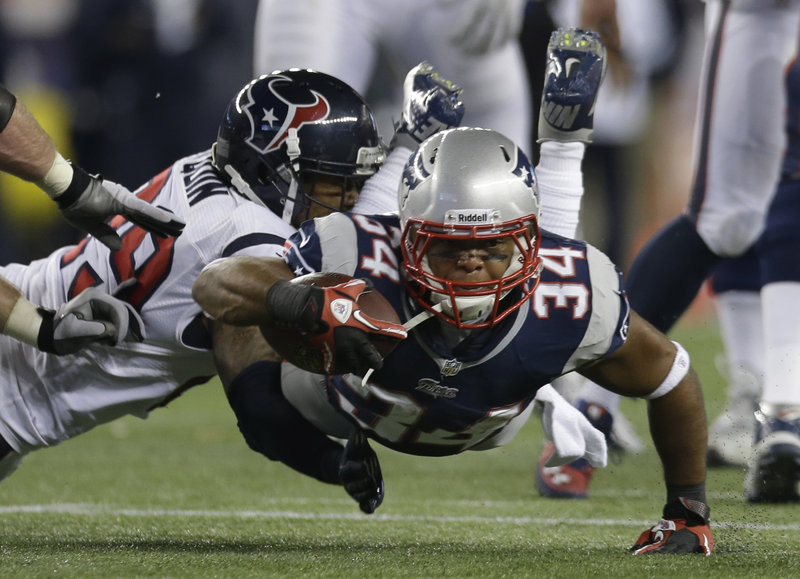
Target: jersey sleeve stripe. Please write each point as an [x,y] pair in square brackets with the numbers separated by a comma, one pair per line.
[250,240]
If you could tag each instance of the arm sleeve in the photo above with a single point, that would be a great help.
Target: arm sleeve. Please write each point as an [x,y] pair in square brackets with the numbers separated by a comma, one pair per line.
[379,194]
[274,428]
[560,180]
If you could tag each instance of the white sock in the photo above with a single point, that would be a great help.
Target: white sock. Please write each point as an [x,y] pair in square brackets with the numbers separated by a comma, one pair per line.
[779,302]
[741,328]
[560,179]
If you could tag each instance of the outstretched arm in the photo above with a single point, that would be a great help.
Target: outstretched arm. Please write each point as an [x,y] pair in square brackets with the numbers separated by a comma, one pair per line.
[29,153]
[648,365]
[90,317]
[678,418]
[234,290]
[26,150]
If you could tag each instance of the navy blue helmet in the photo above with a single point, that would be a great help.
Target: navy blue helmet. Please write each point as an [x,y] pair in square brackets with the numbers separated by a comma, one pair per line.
[283,126]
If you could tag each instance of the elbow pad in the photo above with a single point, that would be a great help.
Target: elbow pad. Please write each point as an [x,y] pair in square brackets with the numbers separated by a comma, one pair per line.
[274,428]
[7,104]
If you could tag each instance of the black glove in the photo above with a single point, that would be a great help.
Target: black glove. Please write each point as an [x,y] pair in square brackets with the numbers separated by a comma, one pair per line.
[360,473]
[89,201]
[344,340]
[91,316]
[684,529]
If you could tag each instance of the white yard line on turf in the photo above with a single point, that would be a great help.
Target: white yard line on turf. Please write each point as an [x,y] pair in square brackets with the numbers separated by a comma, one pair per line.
[100,510]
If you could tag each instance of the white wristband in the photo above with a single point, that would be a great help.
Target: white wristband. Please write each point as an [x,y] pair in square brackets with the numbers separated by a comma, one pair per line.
[679,369]
[58,178]
[23,322]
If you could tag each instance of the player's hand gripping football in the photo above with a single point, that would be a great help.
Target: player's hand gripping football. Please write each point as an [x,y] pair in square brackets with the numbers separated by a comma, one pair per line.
[91,316]
[90,201]
[430,104]
[334,322]
[684,529]
[360,473]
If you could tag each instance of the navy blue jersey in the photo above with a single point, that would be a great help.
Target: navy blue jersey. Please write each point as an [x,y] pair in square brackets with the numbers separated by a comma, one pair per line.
[444,390]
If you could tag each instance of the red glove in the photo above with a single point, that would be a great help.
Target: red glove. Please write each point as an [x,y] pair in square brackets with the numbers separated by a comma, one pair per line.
[334,322]
[678,536]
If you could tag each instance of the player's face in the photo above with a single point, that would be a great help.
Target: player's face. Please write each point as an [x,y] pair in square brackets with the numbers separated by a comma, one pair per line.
[330,194]
[470,260]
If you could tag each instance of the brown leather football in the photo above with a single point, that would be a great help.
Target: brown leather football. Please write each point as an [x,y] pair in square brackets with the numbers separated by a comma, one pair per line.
[299,350]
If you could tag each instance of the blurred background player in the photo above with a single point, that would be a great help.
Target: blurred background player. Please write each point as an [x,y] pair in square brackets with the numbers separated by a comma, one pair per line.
[471,42]
[737,156]
[774,470]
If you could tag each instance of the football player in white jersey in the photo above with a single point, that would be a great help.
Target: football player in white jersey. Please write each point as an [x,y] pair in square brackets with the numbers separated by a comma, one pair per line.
[484,294]
[29,153]
[472,42]
[292,145]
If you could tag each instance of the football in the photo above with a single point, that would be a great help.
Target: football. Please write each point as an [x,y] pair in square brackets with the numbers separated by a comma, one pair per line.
[307,353]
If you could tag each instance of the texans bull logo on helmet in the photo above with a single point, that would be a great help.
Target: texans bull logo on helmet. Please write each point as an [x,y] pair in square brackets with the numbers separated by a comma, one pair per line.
[284,113]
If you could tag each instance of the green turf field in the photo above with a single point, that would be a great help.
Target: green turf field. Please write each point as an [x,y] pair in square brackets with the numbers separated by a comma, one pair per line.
[180,495]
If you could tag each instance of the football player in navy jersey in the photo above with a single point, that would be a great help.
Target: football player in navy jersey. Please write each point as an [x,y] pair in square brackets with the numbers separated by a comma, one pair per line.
[484,293]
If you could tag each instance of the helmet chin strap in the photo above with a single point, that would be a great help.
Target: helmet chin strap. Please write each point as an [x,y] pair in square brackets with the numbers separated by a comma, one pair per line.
[412,323]
[291,195]
[293,152]
[241,185]
[421,317]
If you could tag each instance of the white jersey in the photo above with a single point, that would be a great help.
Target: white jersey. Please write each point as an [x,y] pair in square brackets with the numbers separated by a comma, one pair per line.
[739,136]
[345,37]
[47,399]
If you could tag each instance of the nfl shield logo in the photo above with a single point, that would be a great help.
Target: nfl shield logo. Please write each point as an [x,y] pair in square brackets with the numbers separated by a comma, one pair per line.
[451,368]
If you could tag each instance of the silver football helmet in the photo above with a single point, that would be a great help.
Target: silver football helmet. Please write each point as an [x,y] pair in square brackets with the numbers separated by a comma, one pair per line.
[462,184]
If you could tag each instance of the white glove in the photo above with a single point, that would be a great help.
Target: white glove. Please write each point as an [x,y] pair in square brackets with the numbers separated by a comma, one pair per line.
[572,434]
[91,316]
[484,25]
[89,202]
